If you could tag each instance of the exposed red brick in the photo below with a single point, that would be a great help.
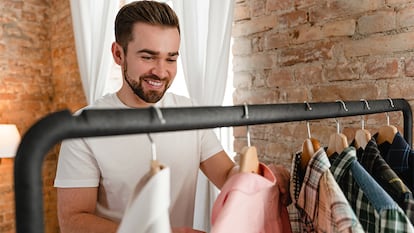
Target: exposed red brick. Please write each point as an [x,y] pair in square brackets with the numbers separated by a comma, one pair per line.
[379,21]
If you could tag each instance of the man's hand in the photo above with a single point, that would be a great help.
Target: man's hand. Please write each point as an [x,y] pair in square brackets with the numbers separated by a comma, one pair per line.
[283,179]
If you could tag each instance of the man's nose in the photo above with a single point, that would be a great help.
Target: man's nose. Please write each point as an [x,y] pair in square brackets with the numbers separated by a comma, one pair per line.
[160,69]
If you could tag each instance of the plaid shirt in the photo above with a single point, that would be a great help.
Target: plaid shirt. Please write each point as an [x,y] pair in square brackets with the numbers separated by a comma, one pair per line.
[400,157]
[372,161]
[319,205]
[376,210]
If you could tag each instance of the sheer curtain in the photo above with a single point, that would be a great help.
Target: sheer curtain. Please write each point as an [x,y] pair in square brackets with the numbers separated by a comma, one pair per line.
[205,45]
[93,30]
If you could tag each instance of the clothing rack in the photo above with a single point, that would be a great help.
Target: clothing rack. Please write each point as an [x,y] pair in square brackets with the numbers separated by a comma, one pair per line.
[55,127]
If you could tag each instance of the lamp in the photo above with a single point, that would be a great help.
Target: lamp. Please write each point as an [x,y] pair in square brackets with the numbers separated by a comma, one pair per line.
[9,140]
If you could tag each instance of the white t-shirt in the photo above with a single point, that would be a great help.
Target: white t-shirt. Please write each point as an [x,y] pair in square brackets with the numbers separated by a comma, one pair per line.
[115,164]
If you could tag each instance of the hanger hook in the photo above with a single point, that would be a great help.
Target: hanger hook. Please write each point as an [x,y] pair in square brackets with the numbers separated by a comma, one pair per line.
[153,147]
[246,116]
[362,117]
[308,106]
[362,122]
[343,105]
[337,122]
[386,113]
[388,118]
[307,122]
[391,102]
[163,121]
[308,128]
[338,130]
[159,114]
[366,104]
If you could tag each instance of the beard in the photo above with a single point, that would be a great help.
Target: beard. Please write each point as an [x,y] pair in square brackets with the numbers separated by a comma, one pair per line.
[136,86]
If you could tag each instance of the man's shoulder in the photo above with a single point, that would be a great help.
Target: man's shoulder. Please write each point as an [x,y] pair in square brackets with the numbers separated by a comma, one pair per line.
[107,101]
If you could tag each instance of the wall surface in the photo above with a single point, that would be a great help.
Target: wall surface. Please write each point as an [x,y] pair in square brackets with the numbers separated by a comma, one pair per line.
[38,75]
[289,51]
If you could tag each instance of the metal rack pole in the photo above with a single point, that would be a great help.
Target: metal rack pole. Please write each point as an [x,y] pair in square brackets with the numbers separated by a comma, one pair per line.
[54,128]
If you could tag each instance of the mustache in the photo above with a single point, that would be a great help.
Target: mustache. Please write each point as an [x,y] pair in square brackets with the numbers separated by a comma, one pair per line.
[152,76]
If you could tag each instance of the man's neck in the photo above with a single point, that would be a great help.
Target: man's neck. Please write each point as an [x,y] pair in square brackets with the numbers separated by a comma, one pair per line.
[132,101]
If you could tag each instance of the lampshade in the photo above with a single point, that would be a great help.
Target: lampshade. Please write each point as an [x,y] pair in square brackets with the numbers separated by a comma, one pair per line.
[9,140]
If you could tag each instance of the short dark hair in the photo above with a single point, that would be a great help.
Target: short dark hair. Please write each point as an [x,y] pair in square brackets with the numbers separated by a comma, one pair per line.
[150,12]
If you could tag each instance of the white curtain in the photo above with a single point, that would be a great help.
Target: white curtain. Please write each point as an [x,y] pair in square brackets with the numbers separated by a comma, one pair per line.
[205,45]
[93,23]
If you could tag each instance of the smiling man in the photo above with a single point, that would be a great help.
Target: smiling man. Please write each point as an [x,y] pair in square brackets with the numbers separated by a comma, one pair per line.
[97,176]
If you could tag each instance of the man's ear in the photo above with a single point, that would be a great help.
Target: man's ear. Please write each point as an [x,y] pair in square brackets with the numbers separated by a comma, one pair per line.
[117,53]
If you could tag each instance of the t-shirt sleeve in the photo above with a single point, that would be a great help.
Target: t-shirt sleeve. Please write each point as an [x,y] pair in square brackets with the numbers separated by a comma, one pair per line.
[76,165]
[210,145]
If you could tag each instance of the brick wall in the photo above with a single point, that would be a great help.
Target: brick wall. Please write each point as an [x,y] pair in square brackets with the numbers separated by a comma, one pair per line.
[285,51]
[38,75]
[320,50]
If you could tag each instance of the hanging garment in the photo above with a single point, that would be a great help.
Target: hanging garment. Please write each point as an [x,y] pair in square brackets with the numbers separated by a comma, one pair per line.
[375,209]
[377,167]
[250,203]
[147,211]
[400,157]
[318,203]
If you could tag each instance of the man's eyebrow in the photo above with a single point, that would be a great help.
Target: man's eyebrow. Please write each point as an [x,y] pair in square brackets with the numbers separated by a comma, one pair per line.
[172,54]
[152,52]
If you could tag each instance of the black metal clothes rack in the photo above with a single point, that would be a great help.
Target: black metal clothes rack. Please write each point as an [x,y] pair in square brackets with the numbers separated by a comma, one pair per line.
[55,127]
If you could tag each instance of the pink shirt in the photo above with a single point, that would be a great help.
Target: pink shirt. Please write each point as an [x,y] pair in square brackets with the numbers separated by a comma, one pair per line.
[250,203]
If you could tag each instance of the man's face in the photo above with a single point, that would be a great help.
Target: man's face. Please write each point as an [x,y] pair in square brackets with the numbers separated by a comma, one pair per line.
[151,61]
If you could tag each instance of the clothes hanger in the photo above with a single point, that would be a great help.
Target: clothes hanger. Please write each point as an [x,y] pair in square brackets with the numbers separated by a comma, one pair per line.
[309,147]
[387,132]
[249,161]
[155,166]
[362,136]
[337,141]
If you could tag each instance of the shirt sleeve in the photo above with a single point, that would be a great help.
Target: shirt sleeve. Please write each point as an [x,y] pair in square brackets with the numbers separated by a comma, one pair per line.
[76,165]
[210,145]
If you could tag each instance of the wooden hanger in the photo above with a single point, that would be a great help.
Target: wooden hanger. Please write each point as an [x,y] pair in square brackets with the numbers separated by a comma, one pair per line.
[249,161]
[337,142]
[387,132]
[309,147]
[362,136]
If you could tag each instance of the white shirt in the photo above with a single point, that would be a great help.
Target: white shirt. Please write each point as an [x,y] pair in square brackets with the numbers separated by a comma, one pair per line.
[115,164]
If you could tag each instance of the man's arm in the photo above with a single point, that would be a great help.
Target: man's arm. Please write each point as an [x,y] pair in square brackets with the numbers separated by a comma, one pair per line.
[218,168]
[76,212]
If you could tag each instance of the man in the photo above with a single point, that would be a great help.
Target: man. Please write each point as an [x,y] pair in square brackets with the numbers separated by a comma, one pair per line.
[96,176]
